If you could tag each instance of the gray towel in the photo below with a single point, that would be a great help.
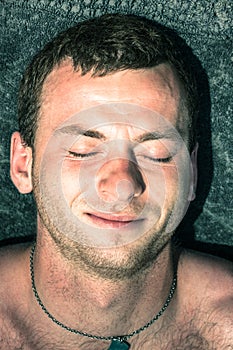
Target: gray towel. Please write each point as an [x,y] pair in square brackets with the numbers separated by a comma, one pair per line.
[205,25]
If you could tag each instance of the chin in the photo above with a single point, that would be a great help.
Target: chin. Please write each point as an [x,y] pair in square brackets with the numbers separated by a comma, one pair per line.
[116,263]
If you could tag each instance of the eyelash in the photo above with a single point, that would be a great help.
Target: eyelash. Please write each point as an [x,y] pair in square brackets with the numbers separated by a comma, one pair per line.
[82,155]
[159,160]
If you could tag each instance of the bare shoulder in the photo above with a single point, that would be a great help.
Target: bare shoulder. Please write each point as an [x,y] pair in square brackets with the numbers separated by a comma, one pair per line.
[207,285]
[14,272]
[211,269]
[12,260]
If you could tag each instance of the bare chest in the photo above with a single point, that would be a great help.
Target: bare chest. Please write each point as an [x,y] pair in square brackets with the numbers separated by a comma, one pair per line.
[176,336]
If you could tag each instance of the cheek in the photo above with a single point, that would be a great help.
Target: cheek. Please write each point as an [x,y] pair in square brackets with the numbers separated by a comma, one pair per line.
[77,178]
[162,184]
[171,175]
[177,180]
[70,180]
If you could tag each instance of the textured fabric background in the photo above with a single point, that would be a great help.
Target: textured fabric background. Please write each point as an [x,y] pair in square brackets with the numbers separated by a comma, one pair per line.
[206,25]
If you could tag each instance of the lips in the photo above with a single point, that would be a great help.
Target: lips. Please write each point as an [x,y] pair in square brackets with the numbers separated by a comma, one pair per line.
[112,221]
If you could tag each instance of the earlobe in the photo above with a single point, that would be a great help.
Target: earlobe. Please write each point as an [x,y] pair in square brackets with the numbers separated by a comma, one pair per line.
[193,186]
[20,164]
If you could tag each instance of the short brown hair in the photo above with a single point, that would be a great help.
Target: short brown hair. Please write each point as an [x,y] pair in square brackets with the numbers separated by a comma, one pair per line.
[105,45]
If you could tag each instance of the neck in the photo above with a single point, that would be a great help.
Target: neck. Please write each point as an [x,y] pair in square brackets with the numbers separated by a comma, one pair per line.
[112,306]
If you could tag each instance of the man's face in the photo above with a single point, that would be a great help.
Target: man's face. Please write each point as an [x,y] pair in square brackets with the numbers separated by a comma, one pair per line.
[112,173]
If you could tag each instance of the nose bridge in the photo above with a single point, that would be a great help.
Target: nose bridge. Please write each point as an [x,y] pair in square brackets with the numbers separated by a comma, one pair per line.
[120,178]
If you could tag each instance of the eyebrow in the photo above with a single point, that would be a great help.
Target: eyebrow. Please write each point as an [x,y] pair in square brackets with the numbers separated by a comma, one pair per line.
[78,130]
[156,135]
[148,136]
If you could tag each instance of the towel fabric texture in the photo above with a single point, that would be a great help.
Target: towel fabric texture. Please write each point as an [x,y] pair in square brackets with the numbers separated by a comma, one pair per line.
[206,26]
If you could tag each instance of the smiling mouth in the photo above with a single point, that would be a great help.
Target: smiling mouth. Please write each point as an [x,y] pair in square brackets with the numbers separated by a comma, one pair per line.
[112,221]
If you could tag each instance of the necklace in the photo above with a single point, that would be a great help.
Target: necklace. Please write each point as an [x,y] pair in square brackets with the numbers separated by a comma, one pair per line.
[118,342]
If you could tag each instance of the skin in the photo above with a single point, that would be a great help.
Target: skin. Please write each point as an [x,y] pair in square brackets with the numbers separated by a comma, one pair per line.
[117,287]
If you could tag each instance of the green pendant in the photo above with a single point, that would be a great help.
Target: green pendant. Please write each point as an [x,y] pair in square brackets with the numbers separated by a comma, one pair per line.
[119,345]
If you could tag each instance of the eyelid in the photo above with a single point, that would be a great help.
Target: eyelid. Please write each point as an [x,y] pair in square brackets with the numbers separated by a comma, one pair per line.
[166,142]
[85,146]
[159,153]
[160,160]
[171,146]
[84,156]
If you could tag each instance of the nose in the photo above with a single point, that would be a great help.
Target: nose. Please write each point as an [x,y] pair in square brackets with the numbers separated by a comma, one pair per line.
[119,180]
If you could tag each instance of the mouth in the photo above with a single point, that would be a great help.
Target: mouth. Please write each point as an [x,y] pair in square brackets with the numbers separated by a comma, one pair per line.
[112,221]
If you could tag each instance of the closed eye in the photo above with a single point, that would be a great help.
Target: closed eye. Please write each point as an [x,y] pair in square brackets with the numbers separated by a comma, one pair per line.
[159,160]
[76,155]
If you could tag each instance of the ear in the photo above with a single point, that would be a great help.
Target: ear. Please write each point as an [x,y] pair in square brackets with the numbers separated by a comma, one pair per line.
[20,164]
[193,185]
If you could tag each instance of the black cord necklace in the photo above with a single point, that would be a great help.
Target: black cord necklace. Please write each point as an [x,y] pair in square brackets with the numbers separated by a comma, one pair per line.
[118,342]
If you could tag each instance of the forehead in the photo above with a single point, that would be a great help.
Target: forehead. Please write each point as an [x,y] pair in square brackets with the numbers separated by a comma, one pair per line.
[66,93]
